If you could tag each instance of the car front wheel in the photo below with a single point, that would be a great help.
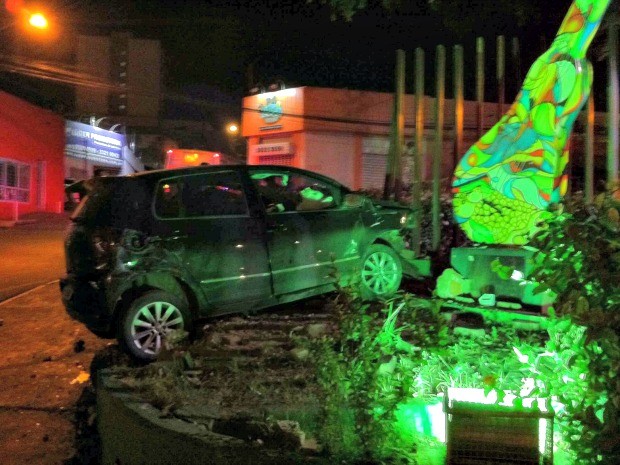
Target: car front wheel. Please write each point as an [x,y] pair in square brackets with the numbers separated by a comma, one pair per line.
[148,320]
[382,272]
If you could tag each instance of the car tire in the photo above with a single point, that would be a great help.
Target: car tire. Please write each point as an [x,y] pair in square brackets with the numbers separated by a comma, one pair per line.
[381,273]
[143,326]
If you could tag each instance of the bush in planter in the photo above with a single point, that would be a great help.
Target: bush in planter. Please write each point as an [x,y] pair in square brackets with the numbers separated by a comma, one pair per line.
[384,361]
[579,260]
[365,371]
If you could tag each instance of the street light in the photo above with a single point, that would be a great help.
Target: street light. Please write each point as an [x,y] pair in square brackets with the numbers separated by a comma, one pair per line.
[232,128]
[37,20]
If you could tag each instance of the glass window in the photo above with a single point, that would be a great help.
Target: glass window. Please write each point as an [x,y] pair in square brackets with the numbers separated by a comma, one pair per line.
[11,175]
[14,181]
[283,191]
[198,195]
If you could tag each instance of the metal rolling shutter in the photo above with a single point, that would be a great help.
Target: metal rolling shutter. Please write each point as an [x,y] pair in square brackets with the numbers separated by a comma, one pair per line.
[373,170]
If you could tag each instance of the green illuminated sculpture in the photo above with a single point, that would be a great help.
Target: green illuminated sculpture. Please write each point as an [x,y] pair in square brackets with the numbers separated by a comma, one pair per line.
[506,181]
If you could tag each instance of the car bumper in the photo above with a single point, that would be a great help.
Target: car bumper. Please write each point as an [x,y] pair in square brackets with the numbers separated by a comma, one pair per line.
[87,301]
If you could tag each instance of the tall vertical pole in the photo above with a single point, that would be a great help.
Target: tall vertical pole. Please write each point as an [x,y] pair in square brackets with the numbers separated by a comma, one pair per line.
[589,152]
[501,75]
[438,151]
[416,188]
[516,61]
[399,135]
[613,94]
[480,83]
[458,103]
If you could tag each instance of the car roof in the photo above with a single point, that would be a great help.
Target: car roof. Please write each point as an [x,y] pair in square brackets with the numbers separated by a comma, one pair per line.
[164,173]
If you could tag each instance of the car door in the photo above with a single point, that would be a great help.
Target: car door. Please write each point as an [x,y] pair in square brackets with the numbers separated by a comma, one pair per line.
[218,238]
[313,238]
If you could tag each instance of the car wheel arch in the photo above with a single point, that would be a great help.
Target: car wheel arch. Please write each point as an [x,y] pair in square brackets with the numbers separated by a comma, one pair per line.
[158,282]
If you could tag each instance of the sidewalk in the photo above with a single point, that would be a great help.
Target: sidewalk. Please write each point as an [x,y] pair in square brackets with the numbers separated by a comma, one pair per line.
[32,252]
[44,369]
[38,220]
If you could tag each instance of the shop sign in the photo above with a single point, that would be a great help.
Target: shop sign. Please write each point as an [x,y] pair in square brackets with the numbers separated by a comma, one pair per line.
[94,144]
[271,110]
[275,148]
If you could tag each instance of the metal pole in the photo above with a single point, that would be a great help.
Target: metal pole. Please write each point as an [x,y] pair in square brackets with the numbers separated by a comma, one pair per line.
[589,152]
[458,103]
[438,152]
[399,135]
[516,62]
[480,83]
[416,187]
[501,75]
[613,94]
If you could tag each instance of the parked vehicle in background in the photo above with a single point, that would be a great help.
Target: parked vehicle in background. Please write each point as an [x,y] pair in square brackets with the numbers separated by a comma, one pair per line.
[153,252]
[183,158]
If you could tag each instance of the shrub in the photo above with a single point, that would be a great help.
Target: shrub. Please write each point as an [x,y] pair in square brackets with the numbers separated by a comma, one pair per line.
[579,260]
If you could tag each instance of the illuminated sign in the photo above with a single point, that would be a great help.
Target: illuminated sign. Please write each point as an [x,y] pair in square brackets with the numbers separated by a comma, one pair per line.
[271,110]
[94,144]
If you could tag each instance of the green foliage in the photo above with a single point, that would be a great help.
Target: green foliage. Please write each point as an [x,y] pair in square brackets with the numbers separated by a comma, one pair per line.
[384,357]
[365,371]
[579,260]
[346,9]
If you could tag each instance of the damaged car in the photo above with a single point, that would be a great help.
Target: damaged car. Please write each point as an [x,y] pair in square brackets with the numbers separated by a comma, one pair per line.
[154,252]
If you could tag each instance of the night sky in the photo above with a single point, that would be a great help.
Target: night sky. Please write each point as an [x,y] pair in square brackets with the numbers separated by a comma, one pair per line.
[214,43]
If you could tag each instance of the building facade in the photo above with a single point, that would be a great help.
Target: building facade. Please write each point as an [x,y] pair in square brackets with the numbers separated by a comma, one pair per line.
[32,142]
[345,134]
[127,79]
[90,150]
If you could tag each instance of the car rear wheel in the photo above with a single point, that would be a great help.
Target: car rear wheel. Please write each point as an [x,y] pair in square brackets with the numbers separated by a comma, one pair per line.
[149,319]
[382,272]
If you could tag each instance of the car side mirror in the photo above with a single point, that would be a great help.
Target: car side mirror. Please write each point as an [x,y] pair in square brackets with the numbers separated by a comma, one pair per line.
[354,200]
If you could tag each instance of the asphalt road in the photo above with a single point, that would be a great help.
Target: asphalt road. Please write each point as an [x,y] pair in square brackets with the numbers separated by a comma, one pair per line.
[31,253]
[47,407]
[46,356]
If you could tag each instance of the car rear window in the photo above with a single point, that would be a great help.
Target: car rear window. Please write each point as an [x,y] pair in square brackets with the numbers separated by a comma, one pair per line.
[199,195]
[119,202]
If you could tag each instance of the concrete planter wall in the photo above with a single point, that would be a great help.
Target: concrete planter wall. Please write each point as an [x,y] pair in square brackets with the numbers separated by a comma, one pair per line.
[134,433]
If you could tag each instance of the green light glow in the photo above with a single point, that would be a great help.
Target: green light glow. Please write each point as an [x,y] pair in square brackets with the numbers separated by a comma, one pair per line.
[478,396]
[505,182]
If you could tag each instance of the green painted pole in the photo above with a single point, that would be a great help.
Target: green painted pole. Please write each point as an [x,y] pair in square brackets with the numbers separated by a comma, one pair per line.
[613,94]
[480,83]
[438,152]
[589,152]
[399,135]
[459,102]
[500,73]
[416,187]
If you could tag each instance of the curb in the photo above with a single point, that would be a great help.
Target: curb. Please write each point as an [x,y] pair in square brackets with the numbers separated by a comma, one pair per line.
[133,432]
[29,291]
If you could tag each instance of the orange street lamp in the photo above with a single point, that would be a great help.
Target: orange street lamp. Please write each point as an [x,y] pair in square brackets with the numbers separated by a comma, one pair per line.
[38,21]
[232,128]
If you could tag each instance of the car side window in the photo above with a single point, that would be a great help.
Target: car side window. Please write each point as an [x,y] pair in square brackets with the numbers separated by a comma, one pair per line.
[199,195]
[289,191]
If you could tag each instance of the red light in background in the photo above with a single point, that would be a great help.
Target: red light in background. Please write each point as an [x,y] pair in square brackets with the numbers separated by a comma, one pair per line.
[14,6]
[215,155]
[166,188]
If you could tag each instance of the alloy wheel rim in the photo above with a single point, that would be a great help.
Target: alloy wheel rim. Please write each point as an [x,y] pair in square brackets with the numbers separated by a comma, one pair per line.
[380,273]
[152,323]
